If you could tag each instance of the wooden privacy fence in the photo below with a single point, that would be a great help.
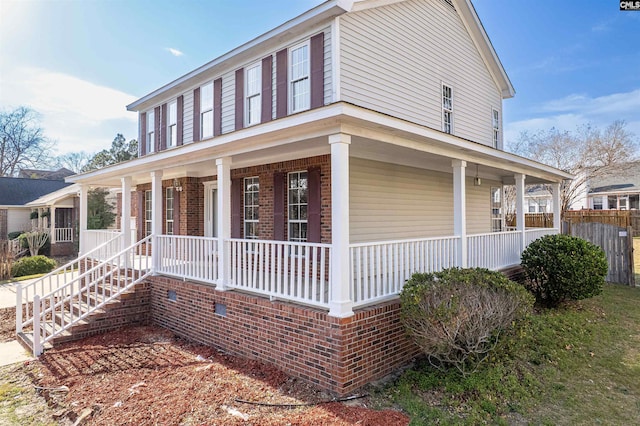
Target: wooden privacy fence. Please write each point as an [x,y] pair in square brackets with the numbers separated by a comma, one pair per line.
[617,243]
[621,218]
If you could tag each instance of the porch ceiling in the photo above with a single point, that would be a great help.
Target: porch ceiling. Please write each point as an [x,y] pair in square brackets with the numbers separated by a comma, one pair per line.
[375,136]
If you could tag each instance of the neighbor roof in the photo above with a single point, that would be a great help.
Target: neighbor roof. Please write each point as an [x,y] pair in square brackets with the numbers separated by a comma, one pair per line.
[20,191]
[627,179]
[59,174]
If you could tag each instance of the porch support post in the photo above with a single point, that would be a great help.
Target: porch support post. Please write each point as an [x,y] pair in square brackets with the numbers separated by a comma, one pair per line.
[340,303]
[223,218]
[460,209]
[557,208]
[125,219]
[52,218]
[156,216]
[520,225]
[84,191]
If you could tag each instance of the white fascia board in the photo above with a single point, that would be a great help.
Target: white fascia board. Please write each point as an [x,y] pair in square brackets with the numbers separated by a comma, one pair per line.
[480,38]
[326,10]
[359,5]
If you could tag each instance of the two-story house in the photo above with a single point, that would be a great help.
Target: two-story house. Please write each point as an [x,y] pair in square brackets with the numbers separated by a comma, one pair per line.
[287,189]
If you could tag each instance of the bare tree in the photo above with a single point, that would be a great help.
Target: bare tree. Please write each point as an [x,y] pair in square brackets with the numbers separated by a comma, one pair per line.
[22,142]
[74,161]
[588,154]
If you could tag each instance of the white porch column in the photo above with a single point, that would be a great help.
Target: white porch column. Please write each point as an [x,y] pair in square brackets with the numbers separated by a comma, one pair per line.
[125,218]
[84,191]
[460,209]
[52,218]
[520,225]
[156,216]
[557,208]
[223,218]
[340,303]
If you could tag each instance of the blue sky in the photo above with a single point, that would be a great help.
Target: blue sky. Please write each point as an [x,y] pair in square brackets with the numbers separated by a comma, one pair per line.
[80,62]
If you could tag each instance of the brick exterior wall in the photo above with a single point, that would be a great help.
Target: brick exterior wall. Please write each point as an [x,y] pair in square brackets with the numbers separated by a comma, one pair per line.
[64,249]
[339,355]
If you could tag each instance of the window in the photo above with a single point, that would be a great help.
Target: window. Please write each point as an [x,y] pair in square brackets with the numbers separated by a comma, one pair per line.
[169,211]
[253,102]
[206,111]
[151,126]
[251,207]
[297,202]
[447,109]
[623,202]
[542,206]
[172,124]
[299,78]
[147,213]
[612,201]
[532,208]
[597,203]
[496,209]
[496,127]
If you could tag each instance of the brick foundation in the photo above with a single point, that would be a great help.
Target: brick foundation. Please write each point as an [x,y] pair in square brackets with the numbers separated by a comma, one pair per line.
[64,249]
[339,355]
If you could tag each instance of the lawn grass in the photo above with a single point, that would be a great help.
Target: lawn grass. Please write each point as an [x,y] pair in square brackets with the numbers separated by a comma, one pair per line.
[579,364]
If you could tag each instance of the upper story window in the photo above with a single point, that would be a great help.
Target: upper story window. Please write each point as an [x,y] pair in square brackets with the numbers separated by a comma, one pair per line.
[253,94]
[495,117]
[298,203]
[447,109]
[206,111]
[251,207]
[169,211]
[172,124]
[299,82]
[151,131]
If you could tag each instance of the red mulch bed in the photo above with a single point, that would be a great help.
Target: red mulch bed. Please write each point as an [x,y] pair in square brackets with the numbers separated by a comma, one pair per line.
[7,324]
[147,376]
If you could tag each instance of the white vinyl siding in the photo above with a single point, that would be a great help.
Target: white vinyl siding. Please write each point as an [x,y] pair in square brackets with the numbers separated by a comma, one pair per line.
[392,202]
[228,102]
[406,82]
[187,117]
[18,219]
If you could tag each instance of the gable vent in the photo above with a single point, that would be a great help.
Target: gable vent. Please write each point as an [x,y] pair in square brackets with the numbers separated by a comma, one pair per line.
[450,3]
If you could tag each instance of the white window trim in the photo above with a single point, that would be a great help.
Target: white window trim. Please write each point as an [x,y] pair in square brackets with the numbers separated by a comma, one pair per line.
[289,76]
[204,111]
[169,217]
[245,205]
[248,96]
[444,84]
[496,133]
[170,141]
[289,220]
[148,208]
[151,132]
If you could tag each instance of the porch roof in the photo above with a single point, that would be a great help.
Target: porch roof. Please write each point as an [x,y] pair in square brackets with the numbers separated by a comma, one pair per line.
[374,136]
[55,197]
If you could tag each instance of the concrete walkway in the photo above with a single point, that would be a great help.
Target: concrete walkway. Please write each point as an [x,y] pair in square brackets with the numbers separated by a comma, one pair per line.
[8,291]
[12,352]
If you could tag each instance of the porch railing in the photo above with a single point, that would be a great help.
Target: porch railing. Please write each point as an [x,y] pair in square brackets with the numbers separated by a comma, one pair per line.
[64,235]
[194,258]
[533,234]
[494,250]
[380,269]
[96,237]
[281,269]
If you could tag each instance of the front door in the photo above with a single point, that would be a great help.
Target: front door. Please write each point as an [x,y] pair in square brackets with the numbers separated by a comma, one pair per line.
[210,209]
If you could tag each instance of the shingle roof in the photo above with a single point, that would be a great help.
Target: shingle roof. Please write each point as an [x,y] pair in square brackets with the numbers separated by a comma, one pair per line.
[19,191]
[59,174]
[626,180]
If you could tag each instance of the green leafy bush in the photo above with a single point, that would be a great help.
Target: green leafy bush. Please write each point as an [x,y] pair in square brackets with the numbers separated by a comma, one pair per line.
[14,235]
[562,267]
[457,316]
[32,265]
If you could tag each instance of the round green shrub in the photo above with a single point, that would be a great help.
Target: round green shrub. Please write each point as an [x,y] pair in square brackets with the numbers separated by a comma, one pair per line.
[457,316]
[32,265]
[562,267]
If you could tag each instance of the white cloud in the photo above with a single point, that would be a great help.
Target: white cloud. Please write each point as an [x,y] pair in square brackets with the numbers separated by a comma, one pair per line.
[78,114]
[174,52]
[578,109]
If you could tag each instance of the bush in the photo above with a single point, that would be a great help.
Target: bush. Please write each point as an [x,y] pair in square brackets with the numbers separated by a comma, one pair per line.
[456,316]
[32,265]
[14,235]
[562,267]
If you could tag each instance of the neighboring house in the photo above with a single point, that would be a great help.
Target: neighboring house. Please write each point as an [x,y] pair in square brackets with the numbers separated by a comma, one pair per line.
[286,190]
[619,191]
[537,200]
[15,196]
[59,174]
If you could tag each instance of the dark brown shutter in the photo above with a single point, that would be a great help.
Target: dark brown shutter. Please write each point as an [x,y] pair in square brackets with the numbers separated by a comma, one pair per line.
[196,115]
[180,122]
[278,205]
[143,134]
[281,83]
[140,217]
[236,208]
[317,70]
[314,207]
[156,142]
[217,107]
[267,89]
[239,99]
[176,212]
[163,128]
